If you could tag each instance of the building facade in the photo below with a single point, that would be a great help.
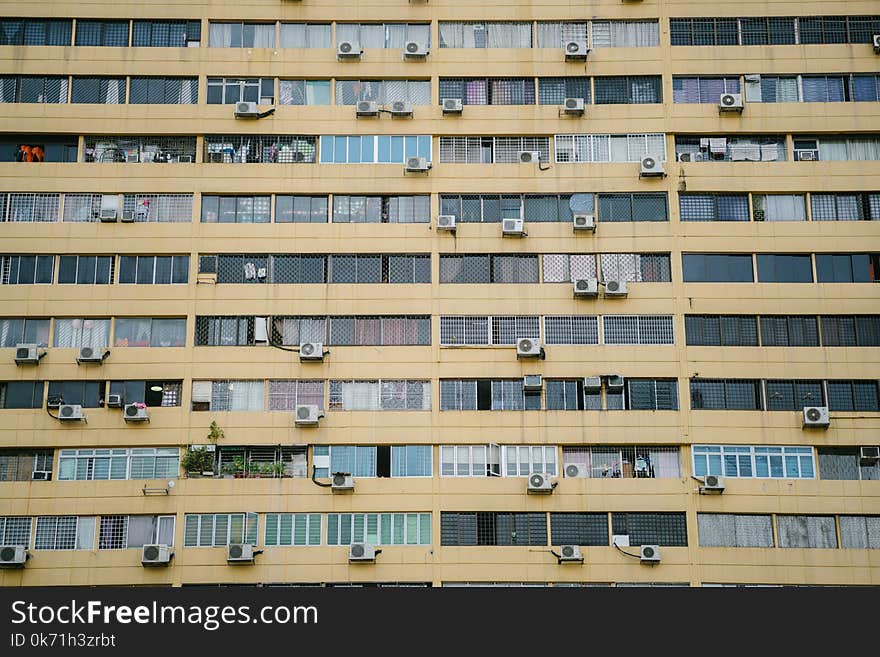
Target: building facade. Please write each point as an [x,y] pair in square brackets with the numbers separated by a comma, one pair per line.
[441,248]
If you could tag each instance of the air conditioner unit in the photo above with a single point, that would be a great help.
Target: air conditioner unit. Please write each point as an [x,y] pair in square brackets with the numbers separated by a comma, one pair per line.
[869,455]
[128,216]
[41,475]
[614,381]
[311,351]
[446,222]
[573,470]
[108,215]
[573,106]
[307,415]
[592,383]
[528,348]
[367,108]
[532,382]
[452,105]
[400,108]
[28,354]
[586,287]
[816,416]
[417,164]
[70,413]
[651,167]
[341,481]
[540,482]
[240,553]
[650,554]
[690,157]
[712,484]
[570,554]
[361,552]
[91,355]
[730,103]
[529,157]
[156,555]
[513,228]
[415,51]
[876,41]
[115,401]
[615,288]
[806,155]
[348,50]
[576,51]
[13,556]
[586,222]
[135,413]
[246,110]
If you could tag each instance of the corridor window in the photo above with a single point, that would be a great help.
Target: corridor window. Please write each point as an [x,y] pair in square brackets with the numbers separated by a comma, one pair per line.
[373,149]
[632,207]
[154,270]
[241,35]
[85,270]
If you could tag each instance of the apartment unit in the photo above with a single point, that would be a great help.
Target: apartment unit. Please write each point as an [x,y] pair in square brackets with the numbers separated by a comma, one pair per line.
[425,294]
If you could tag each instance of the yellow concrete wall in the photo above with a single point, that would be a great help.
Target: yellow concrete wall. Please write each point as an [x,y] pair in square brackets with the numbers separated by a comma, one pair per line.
[436,564]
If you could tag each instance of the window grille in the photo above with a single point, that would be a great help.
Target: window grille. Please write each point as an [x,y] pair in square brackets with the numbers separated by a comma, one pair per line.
[488,268]
[571,329]
[21,464]
[166,34]
[792,395]
[35,32]
[224,331]
[637,329]
[563,268]
[721,330]
[101,33]
[285,395]
[846,463]
[554,91]
[651,528]
[860,532]
[385,92]
[645,267]
[555,34]
[33,88]
[21,207]
[714,207]
[734,530]
[163,91]
[489,91]
[850,331]
[628,89]
[806,531]
[625,462]
[139,149]
[64,533]
[15,530]
[492,528]
[579,529]
[281,149]
[740,148]
[729,394]
[491,150]
[165,208]
[609,148]
[98,90]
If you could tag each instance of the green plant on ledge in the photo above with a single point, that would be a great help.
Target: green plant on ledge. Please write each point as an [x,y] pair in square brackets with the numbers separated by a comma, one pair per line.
[198,460]
[216,433]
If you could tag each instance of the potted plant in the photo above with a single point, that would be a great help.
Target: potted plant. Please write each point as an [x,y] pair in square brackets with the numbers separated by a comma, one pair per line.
[198,462]
[215,433]
[238,467]
[278,469]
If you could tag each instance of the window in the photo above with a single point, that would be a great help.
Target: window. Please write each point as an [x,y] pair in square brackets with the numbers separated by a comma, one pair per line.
[228,91]
[236,209]
[265,149]
[65,533]
[152,393]
[383,35]
[301,209]
[412,460]
[274,461]
[121,532]
[564,395]
[88,394]
[228,396]
[489,91]
[15,530]
[721,330]
[381,209]
[609,148]
[564,268]
[225,331]
[778,268]
[486,330]
[241,35]
[385,395]
[82,332]
[166,34]
[844,207]
[305,35]
[860,532]
[22,464]
[555,34]
[385,92]
[38,148]
[789,331]
[292,529]
[33,89]
[700,89]
[163,91]
[729,394]
[379,528]
[779,207]
[754,461]
[21,394]
[304,92]
[637,329]
[628,89]
[625,34]
[850,331]
[493,208]
[739,148]
[101,33]
[846,463]
[455,34]
[632,207]
[488,268]
[98,90]
[149,332]
[35,32]
[734,530]
[379,268]
[26,269]
[218,529]
[491,150]
[772,30]
[774,89]
[579,528]
[523,460]
[487,394]
[554,91]
[29,207]
[153,270]
[375,330]
[14,330]
[717,268]
[864,87]
[847,268]
[493,528]
[648,394]
[295,330]
[853,396]
[165,208]
[373,149]
[793,395]
[714,207]
[806,531]
[470,460]
[636,267]
[668,529]
[570,329]
[85,270]
[626,462]
[847,147]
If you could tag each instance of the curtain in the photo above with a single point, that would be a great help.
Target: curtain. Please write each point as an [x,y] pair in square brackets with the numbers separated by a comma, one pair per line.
[141,530]
[509,35]
[76,333]
[806,531]
[665,462]
[784,207]
[220,35]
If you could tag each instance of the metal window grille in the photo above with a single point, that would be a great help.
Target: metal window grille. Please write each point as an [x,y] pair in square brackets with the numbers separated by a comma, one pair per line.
[58,532]
[458,395]
[806,531]
[383,92]
[15,530]
[735,530]
[729,394]
[82,207]
[98,90]
[507,330]
[637,329]
[721,330]
[101,33]
[609,148]
[165,34]
[563,268]
[165,208]
[632,207]
[26,207]
[113,533]
[224,331]
[33,89]
[280,149]
[35,32]
[292,331]
[554,91]
[19,465]
[285,395]
[714,207]
[464,330]
[555,34]
[139,149]
[651,528]
[380,209]
[491,150]
[789,331]
[625,461]
[838,207]
[163,91]
[853,396]
[370,330]
[493,528]
[579,528]
[792,395]
[489,91]
[628,89]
